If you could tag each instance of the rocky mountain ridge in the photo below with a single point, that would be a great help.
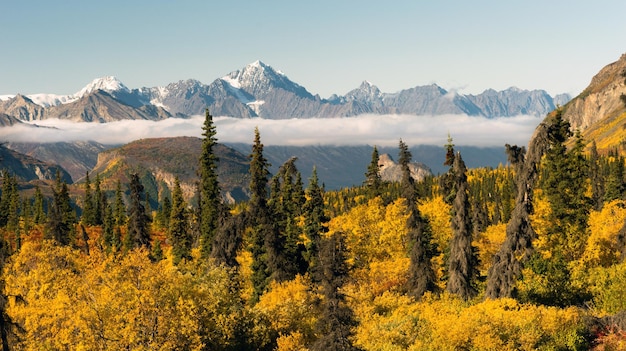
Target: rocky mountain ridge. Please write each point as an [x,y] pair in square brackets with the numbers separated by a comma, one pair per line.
[258,90]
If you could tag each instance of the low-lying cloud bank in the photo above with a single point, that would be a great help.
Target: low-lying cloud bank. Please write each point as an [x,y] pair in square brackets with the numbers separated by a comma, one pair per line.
[383,130]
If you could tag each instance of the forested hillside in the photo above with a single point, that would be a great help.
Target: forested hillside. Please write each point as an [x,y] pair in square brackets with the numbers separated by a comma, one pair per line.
[520,257]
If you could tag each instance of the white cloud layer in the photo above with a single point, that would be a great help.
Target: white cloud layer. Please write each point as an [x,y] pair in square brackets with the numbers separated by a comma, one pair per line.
[380,130]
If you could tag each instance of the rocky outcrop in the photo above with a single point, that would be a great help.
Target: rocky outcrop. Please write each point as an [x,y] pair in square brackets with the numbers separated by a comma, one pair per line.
[390,171]
[22,108]
[602,99]
[27,168]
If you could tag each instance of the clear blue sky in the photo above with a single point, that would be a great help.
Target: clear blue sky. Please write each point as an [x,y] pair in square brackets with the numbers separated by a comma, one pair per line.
[326,46]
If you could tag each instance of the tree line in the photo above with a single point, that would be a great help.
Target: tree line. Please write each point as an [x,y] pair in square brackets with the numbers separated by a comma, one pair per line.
[532,223]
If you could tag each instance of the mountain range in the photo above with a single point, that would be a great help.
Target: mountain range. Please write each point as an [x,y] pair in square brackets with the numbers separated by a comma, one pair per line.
[599,112]
[258,90]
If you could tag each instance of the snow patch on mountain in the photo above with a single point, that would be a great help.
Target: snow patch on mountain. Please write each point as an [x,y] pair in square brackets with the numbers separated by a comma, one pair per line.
[107,83]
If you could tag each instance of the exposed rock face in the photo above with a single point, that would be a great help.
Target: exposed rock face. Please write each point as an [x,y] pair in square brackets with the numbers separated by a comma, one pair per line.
[391,171]
[77,158]
[22,108]
[27,168]
[7,121]
[602,98]
[100,106]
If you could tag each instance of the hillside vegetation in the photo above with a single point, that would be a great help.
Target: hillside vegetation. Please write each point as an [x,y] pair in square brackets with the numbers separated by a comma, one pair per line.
[528,256]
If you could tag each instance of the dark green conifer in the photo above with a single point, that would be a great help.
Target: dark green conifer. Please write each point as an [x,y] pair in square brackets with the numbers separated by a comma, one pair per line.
[61,217]
[210,201]
[597,178]
[334,327]
[89,210]
[259,216]
[228,239]
[463,261]
[315,220]
[120,206]
[39,214]
[422,276]
[179,232]
[108,228]
[373,181]
[137,234]
[98,202]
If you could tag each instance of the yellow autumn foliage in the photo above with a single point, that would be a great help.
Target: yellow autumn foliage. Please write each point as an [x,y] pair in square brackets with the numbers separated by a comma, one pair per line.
[395,322]
[103,302]
[289,307]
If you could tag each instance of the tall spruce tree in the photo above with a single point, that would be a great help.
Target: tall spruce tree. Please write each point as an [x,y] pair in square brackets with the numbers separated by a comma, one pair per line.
[422,276]
[209,201]
[108,228]
[228,239]
[284,248]
[463,261]
[315,221]
[61,217]
[120,206]
[373,181]
[517,247]
[597,178]
[259,216]
[8,188]
[334,327]
[39,212]
[179,231]
[137,232]
[99,200]
[89,210]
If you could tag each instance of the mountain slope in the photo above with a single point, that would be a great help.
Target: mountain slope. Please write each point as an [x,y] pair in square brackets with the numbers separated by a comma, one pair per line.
[27,168]
[77,158]
[599,112]
[158,161]
[100,106]
[258,90]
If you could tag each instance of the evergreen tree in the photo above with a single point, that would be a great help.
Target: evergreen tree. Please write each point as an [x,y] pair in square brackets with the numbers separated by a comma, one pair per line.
[463,261]
[12,198]
[259,216]
[178,232]
[373,181]
[5,200]
[39,214]
[89,211]
[422,276]
[163,213]
[27,215]
[108,228]
[120,206]
[228,239]
[517,248]
[597,178]
[334,327]
[61,218]
[614,185]
[284,249]
[315,220]
[447,181]
[564,182]
[99,201]
[137,234]
[209,201]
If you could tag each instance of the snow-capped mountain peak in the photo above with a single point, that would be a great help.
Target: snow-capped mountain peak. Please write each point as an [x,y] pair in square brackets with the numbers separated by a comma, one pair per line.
[106,83]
